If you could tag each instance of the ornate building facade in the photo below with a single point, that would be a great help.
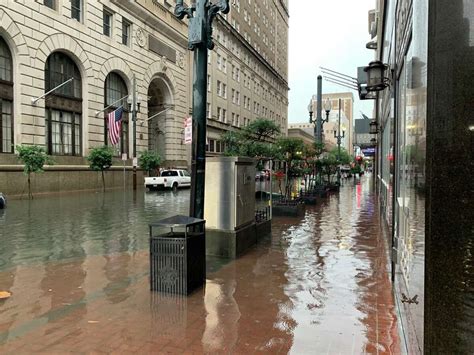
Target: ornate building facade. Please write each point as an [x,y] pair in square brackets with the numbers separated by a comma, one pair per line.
[65,64]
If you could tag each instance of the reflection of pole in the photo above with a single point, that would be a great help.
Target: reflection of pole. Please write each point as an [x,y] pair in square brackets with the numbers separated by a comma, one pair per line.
[134,122]
[339,146]
[319,119]
[271,190]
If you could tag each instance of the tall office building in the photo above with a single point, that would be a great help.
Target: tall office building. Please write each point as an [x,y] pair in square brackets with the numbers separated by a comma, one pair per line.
[248,69]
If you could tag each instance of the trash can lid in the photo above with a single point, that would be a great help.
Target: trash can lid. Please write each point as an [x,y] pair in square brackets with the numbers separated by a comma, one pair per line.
[177,221]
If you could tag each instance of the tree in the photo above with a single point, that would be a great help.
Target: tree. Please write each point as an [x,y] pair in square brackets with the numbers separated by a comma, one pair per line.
[291,151]
[100,159]
[254,140]
[343,158]
[149,161]
[34,158]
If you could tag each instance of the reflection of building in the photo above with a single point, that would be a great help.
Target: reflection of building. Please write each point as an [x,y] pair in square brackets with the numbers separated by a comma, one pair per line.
[425,184]
[102,46]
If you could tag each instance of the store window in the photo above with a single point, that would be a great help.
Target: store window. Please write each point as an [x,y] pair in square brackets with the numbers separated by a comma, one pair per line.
[63,106]
[116,95]
[6,98]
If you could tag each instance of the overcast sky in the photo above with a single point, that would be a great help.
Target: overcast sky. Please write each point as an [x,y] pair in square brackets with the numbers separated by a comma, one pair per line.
[330,34]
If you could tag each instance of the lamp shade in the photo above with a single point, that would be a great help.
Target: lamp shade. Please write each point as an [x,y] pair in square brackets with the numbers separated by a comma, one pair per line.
[310,106]
[376,79]
[327,105]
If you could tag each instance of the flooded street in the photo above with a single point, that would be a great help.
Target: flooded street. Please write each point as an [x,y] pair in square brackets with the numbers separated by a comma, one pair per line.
[77,267]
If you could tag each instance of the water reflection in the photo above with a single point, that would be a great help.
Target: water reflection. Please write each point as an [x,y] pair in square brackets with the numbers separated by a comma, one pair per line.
[53,228]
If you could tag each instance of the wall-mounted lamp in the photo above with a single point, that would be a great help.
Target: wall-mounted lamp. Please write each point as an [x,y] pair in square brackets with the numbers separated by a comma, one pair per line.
[376,79]
[373,127]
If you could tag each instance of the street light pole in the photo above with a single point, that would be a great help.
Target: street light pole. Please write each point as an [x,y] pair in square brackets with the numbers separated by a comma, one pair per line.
[319,105]
[134,122]
[200,14]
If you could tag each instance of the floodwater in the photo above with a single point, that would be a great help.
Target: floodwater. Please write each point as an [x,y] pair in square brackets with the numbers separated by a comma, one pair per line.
[77,267]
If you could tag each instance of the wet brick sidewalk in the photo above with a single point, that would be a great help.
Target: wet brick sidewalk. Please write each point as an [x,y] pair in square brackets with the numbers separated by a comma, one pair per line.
[319,285]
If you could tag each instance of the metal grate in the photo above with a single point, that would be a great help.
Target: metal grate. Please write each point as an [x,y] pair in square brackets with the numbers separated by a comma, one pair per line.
[168,264]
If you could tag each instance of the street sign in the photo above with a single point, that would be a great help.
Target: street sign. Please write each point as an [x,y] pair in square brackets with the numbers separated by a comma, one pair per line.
[188,130]
[124,156]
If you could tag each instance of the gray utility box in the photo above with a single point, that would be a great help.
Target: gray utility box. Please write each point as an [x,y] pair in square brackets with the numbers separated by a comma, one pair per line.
[177,254]
[229,207]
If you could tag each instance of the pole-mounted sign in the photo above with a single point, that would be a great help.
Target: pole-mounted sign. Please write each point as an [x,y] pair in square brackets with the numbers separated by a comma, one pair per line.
[201,14]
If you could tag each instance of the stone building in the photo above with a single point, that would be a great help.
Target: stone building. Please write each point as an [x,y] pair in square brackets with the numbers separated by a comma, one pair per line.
[116,50]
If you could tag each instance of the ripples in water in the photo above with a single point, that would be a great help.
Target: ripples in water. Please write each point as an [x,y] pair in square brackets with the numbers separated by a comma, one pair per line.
[70,226]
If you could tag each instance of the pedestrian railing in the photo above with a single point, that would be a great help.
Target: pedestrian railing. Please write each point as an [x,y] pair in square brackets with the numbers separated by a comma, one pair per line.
[262,215]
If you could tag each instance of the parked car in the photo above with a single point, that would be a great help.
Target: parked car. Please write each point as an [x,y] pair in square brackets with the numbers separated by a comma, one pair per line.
[262,175]
[169,179]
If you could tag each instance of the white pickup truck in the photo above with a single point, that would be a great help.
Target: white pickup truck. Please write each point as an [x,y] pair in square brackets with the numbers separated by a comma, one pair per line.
[169,179]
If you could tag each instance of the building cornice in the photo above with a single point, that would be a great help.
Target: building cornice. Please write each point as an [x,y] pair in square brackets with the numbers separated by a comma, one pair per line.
[151,19]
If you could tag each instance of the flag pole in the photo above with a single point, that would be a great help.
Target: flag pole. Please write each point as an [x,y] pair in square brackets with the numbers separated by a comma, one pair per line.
[35,100]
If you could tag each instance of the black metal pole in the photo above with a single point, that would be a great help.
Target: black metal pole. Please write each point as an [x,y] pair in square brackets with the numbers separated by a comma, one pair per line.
[198,157]
[319,119]
[201,14]
[134,122]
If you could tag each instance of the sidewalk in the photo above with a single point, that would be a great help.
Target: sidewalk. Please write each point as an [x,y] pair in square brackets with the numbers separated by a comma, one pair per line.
[319,285]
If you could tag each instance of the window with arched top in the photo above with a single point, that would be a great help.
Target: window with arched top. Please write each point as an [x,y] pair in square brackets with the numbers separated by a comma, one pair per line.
[115,95]
[63,106]
[6,98]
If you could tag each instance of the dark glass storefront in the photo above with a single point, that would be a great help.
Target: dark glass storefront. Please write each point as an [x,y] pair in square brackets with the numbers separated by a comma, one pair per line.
[425,167]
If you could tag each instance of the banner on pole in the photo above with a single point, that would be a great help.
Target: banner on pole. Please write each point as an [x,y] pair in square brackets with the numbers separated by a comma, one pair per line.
[188,130]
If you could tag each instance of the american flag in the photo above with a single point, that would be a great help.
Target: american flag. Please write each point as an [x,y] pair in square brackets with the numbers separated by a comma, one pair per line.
[114,124]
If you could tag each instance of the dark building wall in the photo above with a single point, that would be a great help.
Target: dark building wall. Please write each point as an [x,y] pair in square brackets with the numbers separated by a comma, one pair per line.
[449,285]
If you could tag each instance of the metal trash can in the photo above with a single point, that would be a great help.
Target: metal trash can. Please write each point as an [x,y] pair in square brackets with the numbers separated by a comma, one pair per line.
[177,254]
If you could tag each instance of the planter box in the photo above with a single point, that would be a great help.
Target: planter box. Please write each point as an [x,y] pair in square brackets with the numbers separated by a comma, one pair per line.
[309,198]
[289,210]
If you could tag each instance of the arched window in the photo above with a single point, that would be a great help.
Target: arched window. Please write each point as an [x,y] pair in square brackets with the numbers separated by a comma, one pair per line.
[115,96]
[6,98]
[63,106]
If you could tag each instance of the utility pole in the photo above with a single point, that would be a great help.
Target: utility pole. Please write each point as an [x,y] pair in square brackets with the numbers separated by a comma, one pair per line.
[200,14]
